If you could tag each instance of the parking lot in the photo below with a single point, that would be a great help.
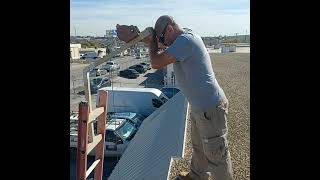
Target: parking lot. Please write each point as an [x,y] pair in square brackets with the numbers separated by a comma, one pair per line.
[151,78]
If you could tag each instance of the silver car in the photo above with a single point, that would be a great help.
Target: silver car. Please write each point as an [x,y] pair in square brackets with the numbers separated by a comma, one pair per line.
[119,132]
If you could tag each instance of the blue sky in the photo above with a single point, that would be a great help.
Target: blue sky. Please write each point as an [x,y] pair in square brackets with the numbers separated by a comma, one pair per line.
[205,17]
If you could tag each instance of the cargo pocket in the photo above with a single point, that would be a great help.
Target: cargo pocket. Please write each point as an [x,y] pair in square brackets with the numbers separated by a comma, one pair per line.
[223,107]
[215,150]
[208,115]
[220,121]
[205,115]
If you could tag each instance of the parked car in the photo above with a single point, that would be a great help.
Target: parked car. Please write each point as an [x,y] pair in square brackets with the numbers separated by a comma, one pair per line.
[98,83]
[101,71]
[138,56]
[170,91]
[120,129]
[148,65]
[138,67]
[89,55]
[97,72]
[93,72]
[74,116]
[73,122]
[129,73]
[130,116]
[119,133]
[111,66]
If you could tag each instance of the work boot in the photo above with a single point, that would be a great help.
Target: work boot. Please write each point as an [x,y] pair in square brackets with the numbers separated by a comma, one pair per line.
[183,176]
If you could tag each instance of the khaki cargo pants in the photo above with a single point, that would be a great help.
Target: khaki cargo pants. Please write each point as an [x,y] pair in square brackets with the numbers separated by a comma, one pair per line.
[210,146]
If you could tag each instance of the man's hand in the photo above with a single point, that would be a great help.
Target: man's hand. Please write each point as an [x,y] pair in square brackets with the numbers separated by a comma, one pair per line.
[127,33]
[149,39]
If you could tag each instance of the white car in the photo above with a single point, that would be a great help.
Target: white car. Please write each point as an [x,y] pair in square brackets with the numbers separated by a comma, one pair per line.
[74,116]
[111,66]
[97,72]
[73,122]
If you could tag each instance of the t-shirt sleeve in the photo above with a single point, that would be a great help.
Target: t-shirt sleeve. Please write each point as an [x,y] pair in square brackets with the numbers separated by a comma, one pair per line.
[181,48]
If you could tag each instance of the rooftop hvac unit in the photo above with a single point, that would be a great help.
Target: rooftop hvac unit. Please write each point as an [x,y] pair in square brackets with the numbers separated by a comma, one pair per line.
[232,48]
[225,48]
[217,46]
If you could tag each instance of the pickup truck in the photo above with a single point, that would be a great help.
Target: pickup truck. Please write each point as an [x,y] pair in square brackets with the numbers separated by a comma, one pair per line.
[120,129]
[111,66]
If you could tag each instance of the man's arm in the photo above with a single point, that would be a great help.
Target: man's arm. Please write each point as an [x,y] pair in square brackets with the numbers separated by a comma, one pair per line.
[158,59]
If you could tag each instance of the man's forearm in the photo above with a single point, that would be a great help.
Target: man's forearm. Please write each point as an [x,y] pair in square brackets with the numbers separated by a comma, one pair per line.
[158,59]
[153,47]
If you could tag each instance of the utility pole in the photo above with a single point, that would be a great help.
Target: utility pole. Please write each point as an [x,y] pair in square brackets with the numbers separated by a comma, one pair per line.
[245,37]
[73,79]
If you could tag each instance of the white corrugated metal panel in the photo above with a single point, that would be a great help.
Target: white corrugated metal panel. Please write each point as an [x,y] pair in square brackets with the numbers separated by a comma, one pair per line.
[160,137]
[74,53]
[75,45]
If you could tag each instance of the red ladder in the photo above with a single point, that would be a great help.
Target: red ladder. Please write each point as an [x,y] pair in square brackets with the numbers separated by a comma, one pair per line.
[84,147]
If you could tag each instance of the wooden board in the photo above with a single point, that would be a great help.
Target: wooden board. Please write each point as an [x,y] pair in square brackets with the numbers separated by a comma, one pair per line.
[101,129]
[95,113]
[93,165]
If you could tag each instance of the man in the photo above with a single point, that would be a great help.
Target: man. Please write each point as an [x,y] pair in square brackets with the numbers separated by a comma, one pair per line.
[196,79]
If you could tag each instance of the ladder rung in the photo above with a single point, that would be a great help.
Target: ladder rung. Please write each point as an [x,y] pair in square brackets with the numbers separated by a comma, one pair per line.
[93,165]
[74,133]
[96,140]
[95,113]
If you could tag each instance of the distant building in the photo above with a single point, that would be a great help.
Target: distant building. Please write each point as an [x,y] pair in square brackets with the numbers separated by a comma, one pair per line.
[93,52]
[210,41]
[102,52]
[123,53]
[74,51]
[111,33]
[228,47]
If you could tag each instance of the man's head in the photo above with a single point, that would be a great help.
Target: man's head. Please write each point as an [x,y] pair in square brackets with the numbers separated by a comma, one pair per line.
[167,30]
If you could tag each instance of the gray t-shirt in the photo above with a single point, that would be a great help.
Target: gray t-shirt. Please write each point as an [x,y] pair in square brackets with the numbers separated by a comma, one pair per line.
[194,73]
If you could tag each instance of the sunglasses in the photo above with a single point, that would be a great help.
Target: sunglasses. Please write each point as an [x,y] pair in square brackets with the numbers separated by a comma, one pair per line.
[161,37]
